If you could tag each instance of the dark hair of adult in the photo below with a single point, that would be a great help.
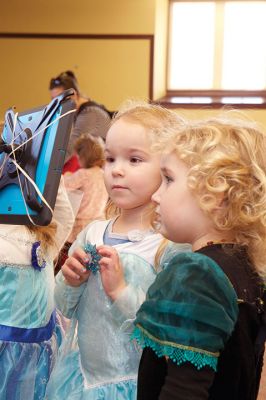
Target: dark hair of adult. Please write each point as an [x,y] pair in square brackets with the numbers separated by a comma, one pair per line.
[66,80]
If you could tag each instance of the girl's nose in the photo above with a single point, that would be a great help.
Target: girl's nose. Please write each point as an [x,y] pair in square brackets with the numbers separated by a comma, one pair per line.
[117,170]
[156,196]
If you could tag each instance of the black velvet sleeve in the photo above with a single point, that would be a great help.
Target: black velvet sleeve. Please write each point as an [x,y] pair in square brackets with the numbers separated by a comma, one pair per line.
[159,379]
[151,376]
[185,382]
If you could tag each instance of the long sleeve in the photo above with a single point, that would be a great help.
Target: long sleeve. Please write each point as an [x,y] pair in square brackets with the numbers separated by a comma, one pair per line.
[162,379]
[184,382]
[139,275]
[67,297]
[63,216]
[127,304]
[79,242]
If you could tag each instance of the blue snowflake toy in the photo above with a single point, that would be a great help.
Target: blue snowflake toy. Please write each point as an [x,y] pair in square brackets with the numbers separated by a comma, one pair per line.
[93,263]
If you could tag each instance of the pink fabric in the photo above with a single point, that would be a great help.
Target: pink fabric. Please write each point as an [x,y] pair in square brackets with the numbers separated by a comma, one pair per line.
[91,182]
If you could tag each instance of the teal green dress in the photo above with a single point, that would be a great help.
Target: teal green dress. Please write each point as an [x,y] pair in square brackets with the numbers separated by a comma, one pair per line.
[189,313]
[203,328]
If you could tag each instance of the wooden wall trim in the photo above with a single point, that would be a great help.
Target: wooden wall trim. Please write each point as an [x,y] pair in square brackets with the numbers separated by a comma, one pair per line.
[88,36]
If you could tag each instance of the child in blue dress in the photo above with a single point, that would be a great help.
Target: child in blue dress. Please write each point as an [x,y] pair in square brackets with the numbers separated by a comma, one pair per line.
[105,303]
[29,335]
[203,324]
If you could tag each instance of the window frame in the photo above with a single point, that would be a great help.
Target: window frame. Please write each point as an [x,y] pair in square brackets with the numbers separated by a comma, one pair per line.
[173,98]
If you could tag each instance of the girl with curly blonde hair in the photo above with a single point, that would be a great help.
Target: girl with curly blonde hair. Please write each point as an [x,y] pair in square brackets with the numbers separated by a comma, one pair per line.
[203,322]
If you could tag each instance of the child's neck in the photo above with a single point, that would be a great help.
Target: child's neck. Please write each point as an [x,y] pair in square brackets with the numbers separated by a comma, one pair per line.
[132,219]
[212,238]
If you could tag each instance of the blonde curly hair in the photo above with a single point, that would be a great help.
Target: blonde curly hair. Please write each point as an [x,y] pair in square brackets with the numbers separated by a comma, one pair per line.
[227,174]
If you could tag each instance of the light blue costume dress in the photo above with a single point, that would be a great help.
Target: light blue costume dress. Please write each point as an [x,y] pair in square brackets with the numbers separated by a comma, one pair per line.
[29,334]
[103,363]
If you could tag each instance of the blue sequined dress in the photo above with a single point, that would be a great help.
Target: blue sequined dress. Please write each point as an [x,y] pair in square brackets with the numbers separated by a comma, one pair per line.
[29,332]
[101,362]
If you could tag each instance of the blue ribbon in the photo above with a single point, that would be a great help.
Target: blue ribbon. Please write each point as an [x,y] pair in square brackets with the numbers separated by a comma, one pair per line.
[24,335]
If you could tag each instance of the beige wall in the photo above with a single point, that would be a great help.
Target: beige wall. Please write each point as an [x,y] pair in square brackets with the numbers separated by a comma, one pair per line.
[79,16]
[108,71]
[254,115]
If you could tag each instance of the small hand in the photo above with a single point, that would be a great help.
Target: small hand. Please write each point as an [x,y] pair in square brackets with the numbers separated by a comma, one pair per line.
[73,270]
[111,271]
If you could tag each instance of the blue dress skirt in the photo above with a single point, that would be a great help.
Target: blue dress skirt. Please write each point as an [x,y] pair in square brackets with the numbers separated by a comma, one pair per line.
[97,359]
[29,333]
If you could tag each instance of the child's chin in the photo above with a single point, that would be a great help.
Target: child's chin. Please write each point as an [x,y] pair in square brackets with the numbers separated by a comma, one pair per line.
[159,227]
[163,232]
[166,234]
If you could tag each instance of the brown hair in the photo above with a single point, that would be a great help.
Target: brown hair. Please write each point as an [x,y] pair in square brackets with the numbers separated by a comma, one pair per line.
[90,149]
[66,80]
[45,234]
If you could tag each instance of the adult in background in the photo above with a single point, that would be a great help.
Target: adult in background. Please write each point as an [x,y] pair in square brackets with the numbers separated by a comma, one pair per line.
[90,117]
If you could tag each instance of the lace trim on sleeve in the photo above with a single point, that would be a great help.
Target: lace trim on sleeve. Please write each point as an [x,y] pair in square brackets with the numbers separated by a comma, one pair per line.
[178,353]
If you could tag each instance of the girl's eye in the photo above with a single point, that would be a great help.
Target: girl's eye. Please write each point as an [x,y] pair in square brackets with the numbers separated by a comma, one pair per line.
[109,159]
[168,179]
[135,160]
